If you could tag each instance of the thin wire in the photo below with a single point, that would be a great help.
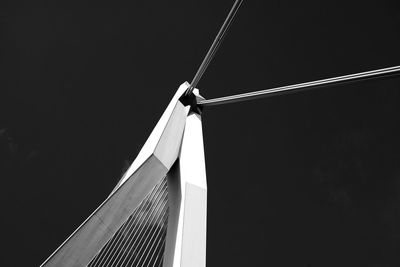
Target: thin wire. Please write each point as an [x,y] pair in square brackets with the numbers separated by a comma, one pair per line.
[161,231]
[207,59]
[134,231]
[158,229]
[301,86]
[119,234]
[151,240]
[158,254]
[160,264]
[128,261]
[132,247]
[140,227]
[215,45]
[143,206]
[140,236]
[109,252]
[129,223]
[133,223]
[128,246]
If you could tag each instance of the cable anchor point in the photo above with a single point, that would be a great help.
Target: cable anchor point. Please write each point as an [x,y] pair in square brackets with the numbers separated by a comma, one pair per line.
[192,99]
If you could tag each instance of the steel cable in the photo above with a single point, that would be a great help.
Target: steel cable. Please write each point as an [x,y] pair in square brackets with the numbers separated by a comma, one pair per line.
[214,47]
[379,73]
[119,233]
[109,251]
[131,234]
[141,234]
[161,232]
[144,249]
[161,247]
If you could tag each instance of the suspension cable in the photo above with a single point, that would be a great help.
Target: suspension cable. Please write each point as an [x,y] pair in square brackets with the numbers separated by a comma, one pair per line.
[214,47]
[379,73]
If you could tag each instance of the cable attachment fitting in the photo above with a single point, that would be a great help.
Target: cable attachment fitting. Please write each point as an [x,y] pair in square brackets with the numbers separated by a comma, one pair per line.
[192,99]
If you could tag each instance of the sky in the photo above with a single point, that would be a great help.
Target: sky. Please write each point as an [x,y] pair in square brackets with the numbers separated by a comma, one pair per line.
[306,179]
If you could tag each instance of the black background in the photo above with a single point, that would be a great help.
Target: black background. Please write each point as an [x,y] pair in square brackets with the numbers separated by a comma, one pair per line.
[307,179]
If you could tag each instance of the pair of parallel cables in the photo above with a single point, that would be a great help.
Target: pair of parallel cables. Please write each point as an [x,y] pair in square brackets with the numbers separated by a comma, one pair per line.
[374,74]
[141,238]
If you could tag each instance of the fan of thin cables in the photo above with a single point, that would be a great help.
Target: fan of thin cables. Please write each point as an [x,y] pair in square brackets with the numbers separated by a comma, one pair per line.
[140,241]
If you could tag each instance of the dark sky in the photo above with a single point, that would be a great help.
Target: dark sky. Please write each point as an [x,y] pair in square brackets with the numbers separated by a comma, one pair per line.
[307,179]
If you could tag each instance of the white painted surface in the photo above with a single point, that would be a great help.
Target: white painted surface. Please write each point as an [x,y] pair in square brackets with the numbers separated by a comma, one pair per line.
[151,143]
[190,246]
[192,162]
[194,227]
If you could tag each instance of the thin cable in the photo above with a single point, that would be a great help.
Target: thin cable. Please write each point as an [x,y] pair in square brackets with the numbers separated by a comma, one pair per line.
[160,264]
[128,261]
[132,247]
[127,245]
[140,236]
[208,58]
[158,254]
[161,231]
[215,45]
[133,218]
[127,233]
[143,220]
[301,86]
[115,242]
[151,240]
[158,229]
[120,232]
[143,206]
